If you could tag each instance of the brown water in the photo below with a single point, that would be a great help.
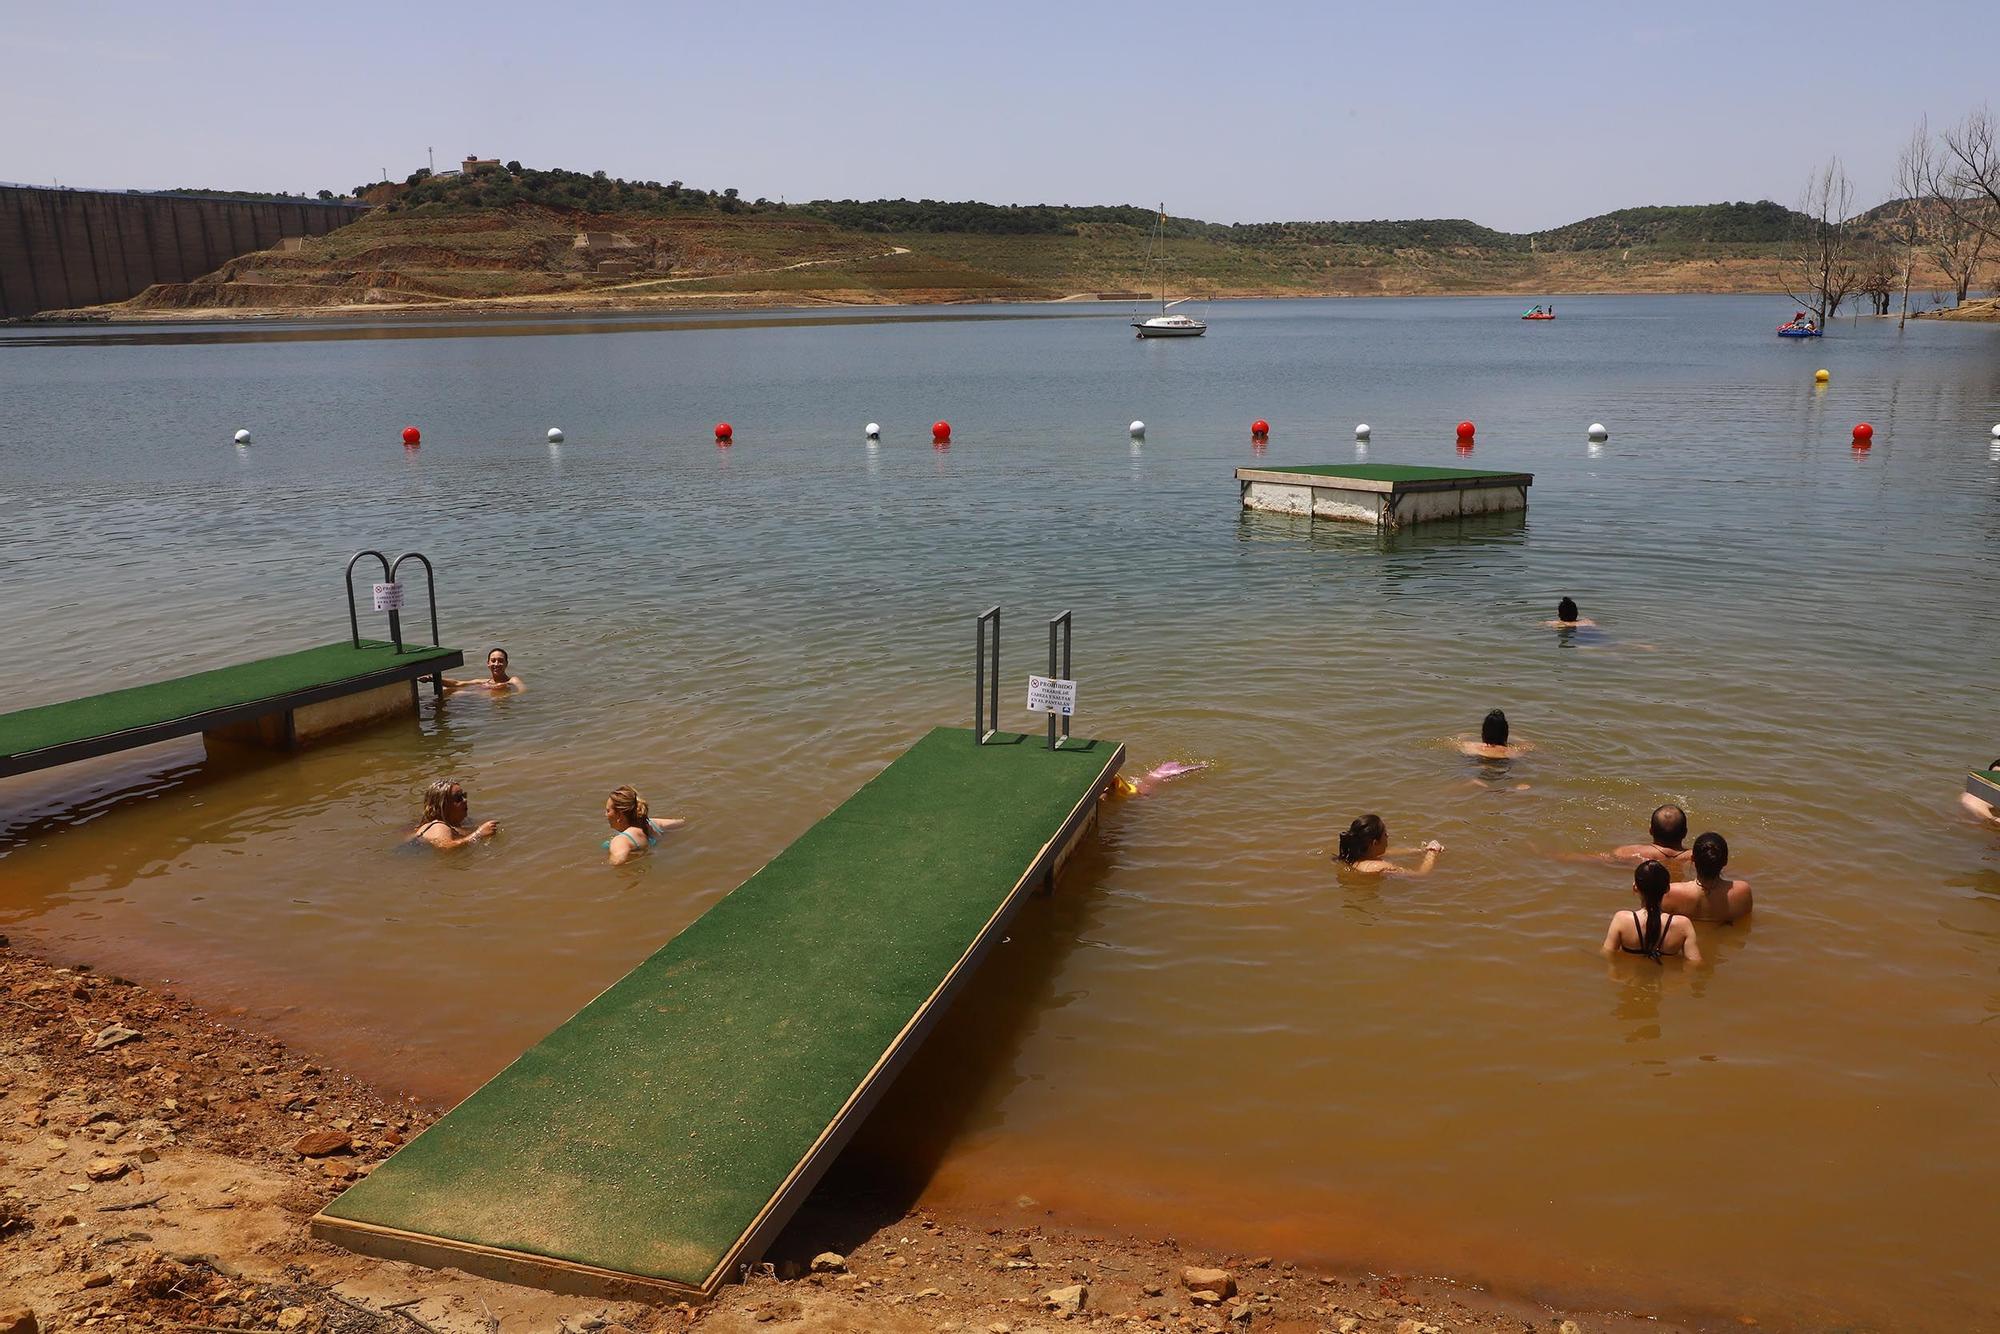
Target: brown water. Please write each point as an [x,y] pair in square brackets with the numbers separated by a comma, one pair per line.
[1208,1031]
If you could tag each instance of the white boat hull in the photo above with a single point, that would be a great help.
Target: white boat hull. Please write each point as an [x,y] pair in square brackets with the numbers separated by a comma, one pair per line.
[1170,326]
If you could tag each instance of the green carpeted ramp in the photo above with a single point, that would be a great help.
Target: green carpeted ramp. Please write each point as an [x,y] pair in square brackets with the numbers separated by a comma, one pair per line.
[1984,784]
[121,719]
[665,1134]
[1385,474]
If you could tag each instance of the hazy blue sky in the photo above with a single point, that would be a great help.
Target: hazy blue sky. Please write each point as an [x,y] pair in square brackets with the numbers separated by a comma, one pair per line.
[1519,116]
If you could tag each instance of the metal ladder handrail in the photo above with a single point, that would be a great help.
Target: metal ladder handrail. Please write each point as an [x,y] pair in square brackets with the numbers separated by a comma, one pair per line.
[1054,621]
[430,587]
[353,614]
[980,684]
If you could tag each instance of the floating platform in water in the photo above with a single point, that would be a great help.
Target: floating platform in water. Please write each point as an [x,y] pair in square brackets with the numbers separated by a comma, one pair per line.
[282,701]
[1389,495]
[666,1133]
[1985,785]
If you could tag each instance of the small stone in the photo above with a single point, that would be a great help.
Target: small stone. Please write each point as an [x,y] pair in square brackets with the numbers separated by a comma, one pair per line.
[109,1036]
[1219,1281]
[17,1319]
[1203,1297]
[1241,1314]
[106,1169]
[1153,1290]
[1348,1324]
[337,1171]
[149,1155]
[828,1262]
[292,1317]
[97,1278]
[320,1143]
[1070,1298]
[67,1220]
[1568,1327]
[999,1327]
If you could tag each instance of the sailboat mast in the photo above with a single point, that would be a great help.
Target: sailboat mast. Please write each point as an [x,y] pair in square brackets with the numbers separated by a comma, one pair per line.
[1163,257]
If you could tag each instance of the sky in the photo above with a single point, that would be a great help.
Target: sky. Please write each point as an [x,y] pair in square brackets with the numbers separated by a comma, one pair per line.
[1519,116]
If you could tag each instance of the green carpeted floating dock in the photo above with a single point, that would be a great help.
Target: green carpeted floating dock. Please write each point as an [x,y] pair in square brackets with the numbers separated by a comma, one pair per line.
[316,683]
[1985,785]
[1390,495]
[664,1135]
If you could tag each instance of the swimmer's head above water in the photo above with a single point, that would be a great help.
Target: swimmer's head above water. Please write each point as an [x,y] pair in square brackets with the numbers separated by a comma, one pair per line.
[625,809]
[445,800]
[496,664]
[1566,609]
[1493,729]
[1711,854]
[1669,826]
[1367,837]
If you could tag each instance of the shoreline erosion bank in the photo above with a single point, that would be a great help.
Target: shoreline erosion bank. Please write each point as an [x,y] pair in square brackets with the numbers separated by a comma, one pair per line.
[161,1162]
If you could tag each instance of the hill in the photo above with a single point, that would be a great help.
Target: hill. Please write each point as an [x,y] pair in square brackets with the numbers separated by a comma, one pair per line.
[515,237]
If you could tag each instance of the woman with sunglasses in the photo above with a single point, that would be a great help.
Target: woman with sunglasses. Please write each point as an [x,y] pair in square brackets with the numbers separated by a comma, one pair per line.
[445,808]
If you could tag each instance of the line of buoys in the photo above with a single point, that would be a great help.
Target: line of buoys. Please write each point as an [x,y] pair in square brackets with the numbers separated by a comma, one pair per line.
[1821,377]
[1361,431]
[1137,430]
[1259,429]
[412,436]
[724,433]
[555,435]
[941,433]
[1864,435]
[1597,431]
[872,431]
[242,437]
[1465,430]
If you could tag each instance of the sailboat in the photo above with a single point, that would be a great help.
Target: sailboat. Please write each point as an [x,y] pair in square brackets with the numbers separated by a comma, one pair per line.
[1164,325]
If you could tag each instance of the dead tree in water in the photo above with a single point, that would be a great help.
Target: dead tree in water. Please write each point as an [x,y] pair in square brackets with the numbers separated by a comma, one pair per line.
[1820,269]
[1877,273]
[1916,166]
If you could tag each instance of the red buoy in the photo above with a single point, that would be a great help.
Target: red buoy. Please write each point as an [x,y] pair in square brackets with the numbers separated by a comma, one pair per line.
[412,436]
[1259,427]
[1863,433]
[1465,430]
[941,433]
[724,431]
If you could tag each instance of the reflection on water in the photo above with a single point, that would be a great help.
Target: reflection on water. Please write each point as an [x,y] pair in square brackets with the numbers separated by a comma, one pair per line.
[1207,1030]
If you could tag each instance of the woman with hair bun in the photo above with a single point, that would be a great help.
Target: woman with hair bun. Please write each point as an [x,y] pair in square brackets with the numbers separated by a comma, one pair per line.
[635,830]
[1364,846]
[1657,933]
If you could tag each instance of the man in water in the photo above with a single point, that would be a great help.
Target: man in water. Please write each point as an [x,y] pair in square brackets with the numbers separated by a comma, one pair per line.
[1668,831]
[498,680]
[1711,896]
[1567,618]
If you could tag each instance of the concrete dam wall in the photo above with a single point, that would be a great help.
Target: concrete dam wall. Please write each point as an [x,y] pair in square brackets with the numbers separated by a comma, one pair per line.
[64,248]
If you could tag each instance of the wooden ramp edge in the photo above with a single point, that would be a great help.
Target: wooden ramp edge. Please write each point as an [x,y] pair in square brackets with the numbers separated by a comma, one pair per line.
[573,1277]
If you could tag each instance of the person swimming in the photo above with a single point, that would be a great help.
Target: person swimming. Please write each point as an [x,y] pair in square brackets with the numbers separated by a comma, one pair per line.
[1145,784]
[636,831]
[1567,617]
[1710,896]
[498,679]
[1658,933]
[1667,830]
[1493,741]
[1364,846]
[445,807]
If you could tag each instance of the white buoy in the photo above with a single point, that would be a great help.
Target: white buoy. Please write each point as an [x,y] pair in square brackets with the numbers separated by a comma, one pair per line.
[243,437]
[873,431]
[1138,430]
[555,435]
[1996,433]
[1597,431]
[1361,431]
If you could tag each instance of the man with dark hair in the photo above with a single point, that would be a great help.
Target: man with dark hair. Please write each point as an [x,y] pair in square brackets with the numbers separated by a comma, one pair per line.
[1567,617]
[1711,896]
[499,678]
[1493,743]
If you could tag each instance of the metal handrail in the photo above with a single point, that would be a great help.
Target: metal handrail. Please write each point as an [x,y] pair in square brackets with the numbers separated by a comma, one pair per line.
[980,684]
[430,586]
[1063,675]
[353,615]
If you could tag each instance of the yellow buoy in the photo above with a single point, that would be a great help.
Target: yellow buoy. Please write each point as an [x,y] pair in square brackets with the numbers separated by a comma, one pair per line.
[1821,377]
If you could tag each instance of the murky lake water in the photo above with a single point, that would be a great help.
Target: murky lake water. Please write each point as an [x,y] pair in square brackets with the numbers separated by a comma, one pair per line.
[1207,1031]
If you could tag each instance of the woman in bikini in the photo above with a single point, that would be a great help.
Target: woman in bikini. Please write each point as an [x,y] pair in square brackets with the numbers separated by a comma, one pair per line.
[445,807]
[1364,846]
[1655,932]
[635,831]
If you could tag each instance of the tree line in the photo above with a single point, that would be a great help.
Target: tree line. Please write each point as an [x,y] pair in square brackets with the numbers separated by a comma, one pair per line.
[1946,210]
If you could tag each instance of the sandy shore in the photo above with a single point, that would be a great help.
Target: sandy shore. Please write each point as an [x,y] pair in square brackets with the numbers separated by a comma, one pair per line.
[158,1166]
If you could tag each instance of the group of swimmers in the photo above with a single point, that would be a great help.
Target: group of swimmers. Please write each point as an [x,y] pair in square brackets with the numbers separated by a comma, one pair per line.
[447,825]
[1663,925]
